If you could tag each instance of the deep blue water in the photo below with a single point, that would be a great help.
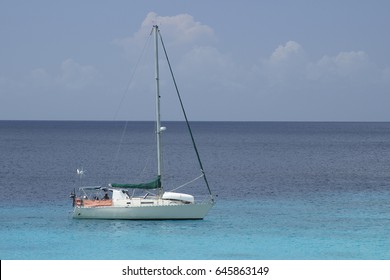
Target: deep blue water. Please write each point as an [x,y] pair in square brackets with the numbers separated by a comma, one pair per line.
[286,190]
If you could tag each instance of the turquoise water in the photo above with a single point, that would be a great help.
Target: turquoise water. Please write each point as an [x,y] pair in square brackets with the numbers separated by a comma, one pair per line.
[244,229]
[285,191]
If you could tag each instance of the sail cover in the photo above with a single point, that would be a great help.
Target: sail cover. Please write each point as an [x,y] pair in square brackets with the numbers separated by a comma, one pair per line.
[156,184]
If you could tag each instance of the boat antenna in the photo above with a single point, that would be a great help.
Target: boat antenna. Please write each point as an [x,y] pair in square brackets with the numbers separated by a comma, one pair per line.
[81,173]
[185,116]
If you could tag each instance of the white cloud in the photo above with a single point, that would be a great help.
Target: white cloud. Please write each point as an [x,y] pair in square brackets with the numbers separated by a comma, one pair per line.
[198,65]
[207,64]
[291,50]
[76,76]
[353,65]
[346,86]
[181,28]
[39,77]
[286,66]
[282,86]
[286,79]
[178,31]
[70,76]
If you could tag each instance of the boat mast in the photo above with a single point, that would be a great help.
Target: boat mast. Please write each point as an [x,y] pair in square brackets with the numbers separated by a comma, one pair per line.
[158,120]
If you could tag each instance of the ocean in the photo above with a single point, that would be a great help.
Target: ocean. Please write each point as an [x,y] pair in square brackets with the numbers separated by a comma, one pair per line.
[285,190]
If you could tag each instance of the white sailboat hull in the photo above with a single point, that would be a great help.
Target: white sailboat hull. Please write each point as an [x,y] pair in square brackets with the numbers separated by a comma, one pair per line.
[194,211]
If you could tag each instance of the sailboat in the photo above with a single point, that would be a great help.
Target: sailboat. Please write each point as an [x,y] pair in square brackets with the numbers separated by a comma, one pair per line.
[115,201]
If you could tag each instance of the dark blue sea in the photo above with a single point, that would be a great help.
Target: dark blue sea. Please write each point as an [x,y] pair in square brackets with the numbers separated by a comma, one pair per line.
[286,190]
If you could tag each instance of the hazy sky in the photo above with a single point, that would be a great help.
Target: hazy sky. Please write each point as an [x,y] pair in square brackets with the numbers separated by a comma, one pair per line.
[241,60]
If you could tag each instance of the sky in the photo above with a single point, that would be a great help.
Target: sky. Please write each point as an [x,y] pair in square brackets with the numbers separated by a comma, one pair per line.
[247,60]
